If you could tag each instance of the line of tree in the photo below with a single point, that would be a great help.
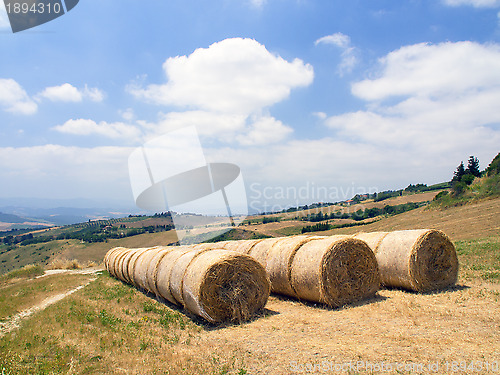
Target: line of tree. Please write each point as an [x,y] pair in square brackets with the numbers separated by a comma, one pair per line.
[87,234]
[364,214]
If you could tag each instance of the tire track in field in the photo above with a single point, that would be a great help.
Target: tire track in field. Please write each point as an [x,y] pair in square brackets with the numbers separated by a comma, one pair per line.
[15,322]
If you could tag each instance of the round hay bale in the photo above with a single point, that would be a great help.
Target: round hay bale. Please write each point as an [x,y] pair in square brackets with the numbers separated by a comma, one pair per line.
[126,262]
[373,239]
[178,272]
[165,267]
[106,257]
[132,263]
[204,246]
[152,271]
[260,250]
[222,285]
[420,260]
[279,262]
[119,264]
[141,267]
[244,246]
[229,245]
[109,259]
[335,270]
[115,259]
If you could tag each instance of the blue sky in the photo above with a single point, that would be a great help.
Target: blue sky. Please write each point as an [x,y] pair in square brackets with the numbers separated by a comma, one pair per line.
[314,100]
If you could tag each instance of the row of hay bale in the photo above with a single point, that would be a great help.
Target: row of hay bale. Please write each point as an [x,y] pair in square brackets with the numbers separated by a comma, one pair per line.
[335,270]
[216,284]
[420,260]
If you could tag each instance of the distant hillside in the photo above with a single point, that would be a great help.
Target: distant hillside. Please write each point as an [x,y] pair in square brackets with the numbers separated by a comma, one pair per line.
[9,218]
[471,221]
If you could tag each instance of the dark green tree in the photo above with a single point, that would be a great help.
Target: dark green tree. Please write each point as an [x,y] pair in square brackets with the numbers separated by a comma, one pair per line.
[457,176]
[473,166]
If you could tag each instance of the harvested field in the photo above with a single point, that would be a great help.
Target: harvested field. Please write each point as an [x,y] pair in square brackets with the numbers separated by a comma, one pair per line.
[397,327]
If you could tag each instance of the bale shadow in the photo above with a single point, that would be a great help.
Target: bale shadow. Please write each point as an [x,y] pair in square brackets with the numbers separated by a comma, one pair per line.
[198,320]
[207,326]
[321,306]
[448,289]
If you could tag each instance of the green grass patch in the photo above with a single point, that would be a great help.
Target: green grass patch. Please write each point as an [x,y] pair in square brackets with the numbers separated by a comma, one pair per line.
[480,258]
[109,326]
[23,294]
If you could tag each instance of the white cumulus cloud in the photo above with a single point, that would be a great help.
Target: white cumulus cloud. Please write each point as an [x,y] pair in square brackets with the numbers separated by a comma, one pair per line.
[441,69]
[264,130]
[110,130]
[69,93]
[232,76]
[431,101]
[348,56]
[63,93]
[225,89]
[93,93]
[13,98]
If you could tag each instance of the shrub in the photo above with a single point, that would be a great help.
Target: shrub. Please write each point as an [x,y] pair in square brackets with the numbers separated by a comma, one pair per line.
[467,179]
[458,188]
[441,195]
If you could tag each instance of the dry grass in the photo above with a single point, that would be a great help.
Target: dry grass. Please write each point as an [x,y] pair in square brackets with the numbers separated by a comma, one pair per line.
[65,264]
[459,324]
[109,327]
[29,271]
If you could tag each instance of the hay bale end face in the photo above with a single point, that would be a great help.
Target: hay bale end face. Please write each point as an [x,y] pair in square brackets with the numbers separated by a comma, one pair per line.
[420,260]
[222,285]
[335,270]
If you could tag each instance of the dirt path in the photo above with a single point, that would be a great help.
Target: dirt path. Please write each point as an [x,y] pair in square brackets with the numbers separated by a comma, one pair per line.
[16,320]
